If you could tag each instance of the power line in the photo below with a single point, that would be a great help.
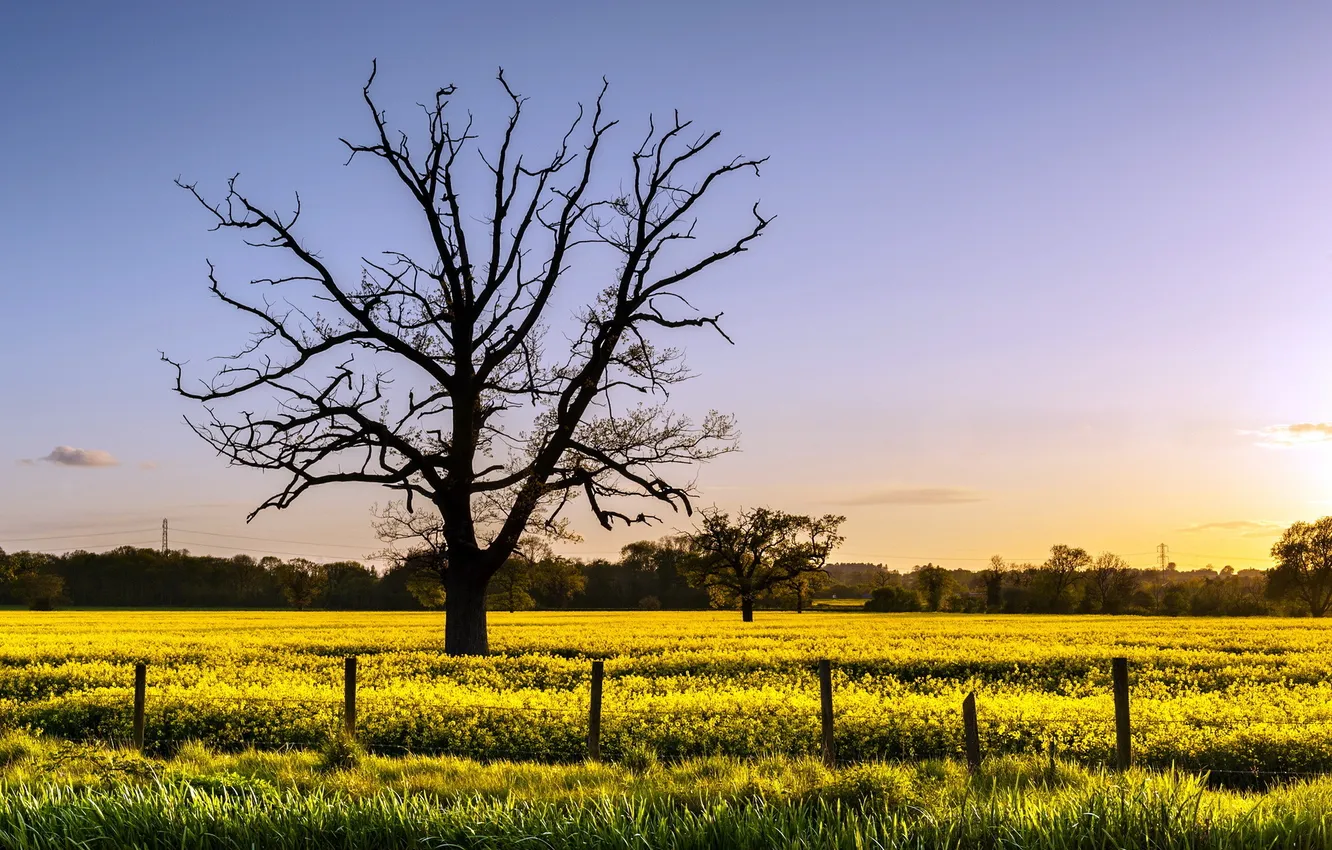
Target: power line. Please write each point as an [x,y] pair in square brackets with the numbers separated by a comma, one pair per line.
[241,549]
[930,558]
[74,536]
[136,544]
[267,539]
[1223,557]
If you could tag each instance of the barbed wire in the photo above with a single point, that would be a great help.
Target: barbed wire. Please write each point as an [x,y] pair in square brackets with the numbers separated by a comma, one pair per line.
[379,747]
[174,701]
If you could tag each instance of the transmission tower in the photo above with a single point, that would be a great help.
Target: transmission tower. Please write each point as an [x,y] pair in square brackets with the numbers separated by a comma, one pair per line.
[165,547]
[1163,554]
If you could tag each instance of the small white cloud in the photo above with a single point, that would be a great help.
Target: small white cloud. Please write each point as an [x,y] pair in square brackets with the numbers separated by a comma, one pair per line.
[70,456]
[915,496]
[147,465]
[1300,433]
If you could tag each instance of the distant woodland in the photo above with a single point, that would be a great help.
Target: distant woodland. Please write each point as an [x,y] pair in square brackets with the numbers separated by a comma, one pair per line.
[649,575]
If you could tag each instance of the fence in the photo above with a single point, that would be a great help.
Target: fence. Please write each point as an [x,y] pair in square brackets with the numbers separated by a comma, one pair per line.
[827,720]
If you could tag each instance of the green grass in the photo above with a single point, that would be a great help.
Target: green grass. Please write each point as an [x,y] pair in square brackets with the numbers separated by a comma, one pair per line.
[56,794]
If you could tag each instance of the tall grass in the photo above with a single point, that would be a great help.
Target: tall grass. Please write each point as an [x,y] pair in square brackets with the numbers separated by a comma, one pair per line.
[181,816]
[55,795]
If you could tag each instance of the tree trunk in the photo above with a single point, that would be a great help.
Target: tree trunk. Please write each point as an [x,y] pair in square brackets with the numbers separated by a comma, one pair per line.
[800,600]
[747,610]
[465,613]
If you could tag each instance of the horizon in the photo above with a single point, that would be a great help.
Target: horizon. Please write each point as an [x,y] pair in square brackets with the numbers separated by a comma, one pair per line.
[1025,285]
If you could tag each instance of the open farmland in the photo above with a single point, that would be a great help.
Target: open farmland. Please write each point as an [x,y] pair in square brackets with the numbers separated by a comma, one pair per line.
[1222,695]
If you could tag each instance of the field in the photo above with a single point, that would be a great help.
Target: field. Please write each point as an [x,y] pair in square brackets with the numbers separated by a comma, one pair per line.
[55,795]
[1246,700]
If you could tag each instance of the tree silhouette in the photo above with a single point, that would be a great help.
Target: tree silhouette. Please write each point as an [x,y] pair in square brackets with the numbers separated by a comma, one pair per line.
[434,376]
[993,579]
[1111,582]
[1059,573]
[933,582]
[1304,565]
[760,550]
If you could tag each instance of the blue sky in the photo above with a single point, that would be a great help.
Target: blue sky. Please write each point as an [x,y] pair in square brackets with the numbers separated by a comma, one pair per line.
[1041,272]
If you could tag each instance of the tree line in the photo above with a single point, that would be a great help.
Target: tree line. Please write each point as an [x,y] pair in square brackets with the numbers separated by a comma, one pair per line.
[1072,581]
[761,559]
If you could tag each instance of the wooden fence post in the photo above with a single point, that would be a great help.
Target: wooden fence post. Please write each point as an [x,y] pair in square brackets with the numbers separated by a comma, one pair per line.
[971,732]
[594,712]
[1123,740]
[826,710]
[140,696]
[349,695]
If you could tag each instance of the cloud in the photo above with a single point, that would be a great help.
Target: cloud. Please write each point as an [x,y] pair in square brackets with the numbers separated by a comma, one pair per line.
[70,456]
[915,496]
[1246,527]
[147,465]
[1293,435]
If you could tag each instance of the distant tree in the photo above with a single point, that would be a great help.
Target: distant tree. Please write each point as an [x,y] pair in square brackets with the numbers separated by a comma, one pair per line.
[443,375]
[512,584]
[425,587]
[557,580]
[1177,600]
[1058,575]
[1111,583]
[804,585]
[879,576]
[759,550]
[40,590]
[1304,566]
[893,598]
[933,583]
[302,581]
[32,579]
[415,542]
[660,569]
[1230,595]
[510,588]
[993,579]
[347,585]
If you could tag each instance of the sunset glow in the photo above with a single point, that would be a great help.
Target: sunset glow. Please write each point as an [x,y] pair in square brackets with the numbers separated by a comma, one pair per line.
[1026,285]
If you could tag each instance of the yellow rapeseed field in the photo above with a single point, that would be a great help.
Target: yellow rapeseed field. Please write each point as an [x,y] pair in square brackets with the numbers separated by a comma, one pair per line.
[1223,694]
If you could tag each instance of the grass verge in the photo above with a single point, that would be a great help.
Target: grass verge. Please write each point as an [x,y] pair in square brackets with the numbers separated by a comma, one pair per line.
[55,794]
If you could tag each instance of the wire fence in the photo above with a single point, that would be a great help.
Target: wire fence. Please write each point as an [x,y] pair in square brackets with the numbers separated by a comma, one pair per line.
[160,721]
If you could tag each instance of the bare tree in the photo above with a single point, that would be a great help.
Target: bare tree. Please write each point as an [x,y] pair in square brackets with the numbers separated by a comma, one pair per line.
[762,549]
[432,375]
[414,538]
[993,579]
[1111,582]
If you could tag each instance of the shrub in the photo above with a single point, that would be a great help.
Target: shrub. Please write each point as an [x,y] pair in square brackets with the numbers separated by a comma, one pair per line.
[885,785]
[893,598]
[340,752]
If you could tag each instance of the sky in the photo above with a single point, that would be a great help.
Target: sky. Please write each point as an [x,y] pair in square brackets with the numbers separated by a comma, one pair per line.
[1040,272]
